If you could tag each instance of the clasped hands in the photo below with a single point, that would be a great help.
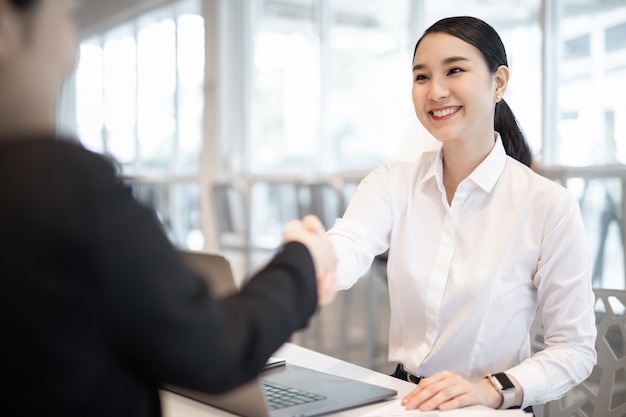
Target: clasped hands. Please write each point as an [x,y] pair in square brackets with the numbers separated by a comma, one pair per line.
[310,232]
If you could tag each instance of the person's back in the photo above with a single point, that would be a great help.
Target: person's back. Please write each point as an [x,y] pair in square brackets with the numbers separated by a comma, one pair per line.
[57,349]
[98,308]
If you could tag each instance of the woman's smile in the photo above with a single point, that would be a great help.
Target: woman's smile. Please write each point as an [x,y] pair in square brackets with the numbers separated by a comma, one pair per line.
[444,113]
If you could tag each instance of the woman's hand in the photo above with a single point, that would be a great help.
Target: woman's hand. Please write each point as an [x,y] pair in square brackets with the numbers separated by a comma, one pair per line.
[310,232]
[446,391]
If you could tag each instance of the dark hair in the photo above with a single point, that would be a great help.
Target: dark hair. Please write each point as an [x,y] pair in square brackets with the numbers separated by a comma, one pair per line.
[484,38]
[24,4]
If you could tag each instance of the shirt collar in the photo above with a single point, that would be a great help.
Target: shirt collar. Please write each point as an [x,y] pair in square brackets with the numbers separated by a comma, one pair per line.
[434,166]
[485,175]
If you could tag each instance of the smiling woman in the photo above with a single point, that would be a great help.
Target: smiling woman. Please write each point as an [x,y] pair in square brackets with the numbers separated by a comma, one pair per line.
[476,240]
[480,50]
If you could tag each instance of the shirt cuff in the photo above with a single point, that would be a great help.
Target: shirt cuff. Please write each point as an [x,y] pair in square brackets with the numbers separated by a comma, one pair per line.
[535,386]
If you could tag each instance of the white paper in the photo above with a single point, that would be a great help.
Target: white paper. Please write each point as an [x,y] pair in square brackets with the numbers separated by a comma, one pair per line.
[396,409]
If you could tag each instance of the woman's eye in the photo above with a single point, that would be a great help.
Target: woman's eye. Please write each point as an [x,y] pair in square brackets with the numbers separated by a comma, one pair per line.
[420,77]
[455,70]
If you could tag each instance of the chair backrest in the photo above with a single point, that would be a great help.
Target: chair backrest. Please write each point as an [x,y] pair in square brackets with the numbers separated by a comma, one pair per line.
[321,198]
[603,393]
[229,205]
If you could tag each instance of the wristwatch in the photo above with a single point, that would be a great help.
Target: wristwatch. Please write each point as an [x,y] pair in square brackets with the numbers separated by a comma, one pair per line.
[505,387]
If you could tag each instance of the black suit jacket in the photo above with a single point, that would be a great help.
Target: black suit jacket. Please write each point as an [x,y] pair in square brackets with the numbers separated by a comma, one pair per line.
[98,309]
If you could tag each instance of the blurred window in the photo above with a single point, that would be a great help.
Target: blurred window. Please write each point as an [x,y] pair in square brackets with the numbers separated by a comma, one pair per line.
[140,91]
[591,83]
[140,100]
[331,83]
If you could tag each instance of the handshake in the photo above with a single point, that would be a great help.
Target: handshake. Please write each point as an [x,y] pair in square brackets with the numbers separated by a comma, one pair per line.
[310,232]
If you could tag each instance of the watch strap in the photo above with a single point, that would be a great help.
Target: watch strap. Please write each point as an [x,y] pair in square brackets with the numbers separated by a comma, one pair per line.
[505,387]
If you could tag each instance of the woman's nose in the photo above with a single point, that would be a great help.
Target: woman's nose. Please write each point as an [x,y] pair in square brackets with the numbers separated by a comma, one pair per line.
[438,89]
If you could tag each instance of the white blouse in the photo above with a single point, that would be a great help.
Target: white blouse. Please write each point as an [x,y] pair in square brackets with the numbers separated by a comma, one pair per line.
[465,279]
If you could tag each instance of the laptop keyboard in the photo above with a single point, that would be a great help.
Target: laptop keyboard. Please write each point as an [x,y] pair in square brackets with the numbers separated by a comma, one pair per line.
[279,396]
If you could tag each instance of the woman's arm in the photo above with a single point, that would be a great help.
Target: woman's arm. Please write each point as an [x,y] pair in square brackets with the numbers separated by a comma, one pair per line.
[364,230]
[565,296]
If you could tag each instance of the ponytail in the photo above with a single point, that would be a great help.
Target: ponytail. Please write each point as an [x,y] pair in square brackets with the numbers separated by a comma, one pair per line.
[512,136]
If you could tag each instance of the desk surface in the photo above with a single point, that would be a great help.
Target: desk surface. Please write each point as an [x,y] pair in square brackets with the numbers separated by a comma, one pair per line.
[177,406]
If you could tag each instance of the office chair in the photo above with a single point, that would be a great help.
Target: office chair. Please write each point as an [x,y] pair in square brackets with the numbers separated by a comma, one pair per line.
[603,393]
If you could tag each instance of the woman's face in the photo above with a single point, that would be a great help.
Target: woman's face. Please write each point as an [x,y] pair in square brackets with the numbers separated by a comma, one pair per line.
[454,93]
[38,49]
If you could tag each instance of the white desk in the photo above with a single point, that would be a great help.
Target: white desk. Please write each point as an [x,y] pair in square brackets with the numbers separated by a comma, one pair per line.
[177,406]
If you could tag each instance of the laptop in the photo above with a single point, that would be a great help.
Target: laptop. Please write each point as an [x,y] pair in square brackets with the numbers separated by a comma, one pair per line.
[283,389]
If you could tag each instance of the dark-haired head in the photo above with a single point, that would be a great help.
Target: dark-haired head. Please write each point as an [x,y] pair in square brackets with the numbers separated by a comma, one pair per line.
[42,35]
[24,4]
[483,37]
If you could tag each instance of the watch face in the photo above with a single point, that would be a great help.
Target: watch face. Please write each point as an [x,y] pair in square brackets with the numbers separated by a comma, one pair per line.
[504,381]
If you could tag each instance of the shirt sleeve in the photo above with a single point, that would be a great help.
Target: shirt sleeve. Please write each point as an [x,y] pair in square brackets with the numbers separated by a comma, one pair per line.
[565,296]
[363,231]
[160,318]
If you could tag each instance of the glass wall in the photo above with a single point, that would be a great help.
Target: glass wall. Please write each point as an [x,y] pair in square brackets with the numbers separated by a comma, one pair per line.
[287,77]
[590,130]
[369,108]
[332,84]
[592,84]
[139,91]
[139,99]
